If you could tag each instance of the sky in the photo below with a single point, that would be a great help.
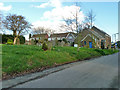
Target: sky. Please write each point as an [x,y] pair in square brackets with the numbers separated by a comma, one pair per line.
[49,14]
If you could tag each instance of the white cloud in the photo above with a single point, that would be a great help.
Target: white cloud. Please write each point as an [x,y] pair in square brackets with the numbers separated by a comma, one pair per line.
[51,3]
[48,24]
[42,5]
[5,8]
[66,12]
[53,19]
[55,3]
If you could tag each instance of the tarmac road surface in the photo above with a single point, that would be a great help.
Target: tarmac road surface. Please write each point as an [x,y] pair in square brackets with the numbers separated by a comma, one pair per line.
[101,72]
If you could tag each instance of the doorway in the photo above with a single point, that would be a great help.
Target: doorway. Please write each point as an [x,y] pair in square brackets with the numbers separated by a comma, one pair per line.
[90,44]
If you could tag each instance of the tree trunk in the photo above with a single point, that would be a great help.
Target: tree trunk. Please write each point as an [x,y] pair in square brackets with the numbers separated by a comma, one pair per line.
[15,40]
[15,33]
[18,41]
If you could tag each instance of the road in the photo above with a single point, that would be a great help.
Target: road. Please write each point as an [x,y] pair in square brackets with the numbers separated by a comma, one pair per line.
[101,72]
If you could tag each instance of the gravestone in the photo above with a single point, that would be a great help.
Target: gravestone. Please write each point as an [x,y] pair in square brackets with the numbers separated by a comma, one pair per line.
[49,45]
[62,43]
[75,45]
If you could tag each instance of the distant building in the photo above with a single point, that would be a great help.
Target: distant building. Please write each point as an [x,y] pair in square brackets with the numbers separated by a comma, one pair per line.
[70,36]
[116,44]
[39,37]
[93,38]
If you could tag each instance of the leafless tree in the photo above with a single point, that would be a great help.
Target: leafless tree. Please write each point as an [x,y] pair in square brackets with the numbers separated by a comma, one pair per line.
[90,18]
[41,30]
[1,19]
[17,24]
[73,23]
[38,30]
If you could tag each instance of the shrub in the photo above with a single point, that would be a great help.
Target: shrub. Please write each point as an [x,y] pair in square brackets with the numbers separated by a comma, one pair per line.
[44,46]
[100,51]
[40,41]
[86,46]
[65,40]
[45,39]
[72,44]
[22,39]
[59,40]
[36,41]
[10,42]
[6,37]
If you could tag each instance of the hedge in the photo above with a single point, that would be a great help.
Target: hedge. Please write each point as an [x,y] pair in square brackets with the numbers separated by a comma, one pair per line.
[6,37]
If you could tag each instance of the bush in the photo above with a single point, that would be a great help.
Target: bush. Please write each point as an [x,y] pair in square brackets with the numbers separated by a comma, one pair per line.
[10,42]
[22,39]
[6,37]
[86,46]
[44,46]
[59,40]
[100,51]
[45,39]
[65,40]
[72,44]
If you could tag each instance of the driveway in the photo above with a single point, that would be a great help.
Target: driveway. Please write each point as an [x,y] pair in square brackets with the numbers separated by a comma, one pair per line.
[97,73]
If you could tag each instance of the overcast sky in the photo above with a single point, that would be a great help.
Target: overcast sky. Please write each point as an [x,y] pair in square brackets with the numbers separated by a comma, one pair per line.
[49,14]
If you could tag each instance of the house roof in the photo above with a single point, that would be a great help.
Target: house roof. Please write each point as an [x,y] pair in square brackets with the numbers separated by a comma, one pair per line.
[96,34]
[86,37]
[60,34]
[39,35]
[100,32]
[93,32]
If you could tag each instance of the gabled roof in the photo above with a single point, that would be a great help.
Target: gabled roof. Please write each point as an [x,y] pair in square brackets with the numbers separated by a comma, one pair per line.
[100,32]
[86,37]
[39,35]
[96,34]
[60,34]
[92,32]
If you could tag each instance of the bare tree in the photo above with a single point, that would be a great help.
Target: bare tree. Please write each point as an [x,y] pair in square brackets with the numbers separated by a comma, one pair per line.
[1,19]
[68,25]
[73,23]
[90,18]
[41,30]
[17,24]
[38,30]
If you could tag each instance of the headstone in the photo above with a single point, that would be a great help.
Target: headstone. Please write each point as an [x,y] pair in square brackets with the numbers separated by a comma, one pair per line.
[75,45]
[62,43]
[32,42]
[49,39]
[53,43]
[59,43]
[49,45]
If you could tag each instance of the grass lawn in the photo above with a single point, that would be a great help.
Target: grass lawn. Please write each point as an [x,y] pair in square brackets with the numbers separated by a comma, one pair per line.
[25,58]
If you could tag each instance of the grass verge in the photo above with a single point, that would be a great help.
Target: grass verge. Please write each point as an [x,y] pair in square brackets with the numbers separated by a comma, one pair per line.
[24,59]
